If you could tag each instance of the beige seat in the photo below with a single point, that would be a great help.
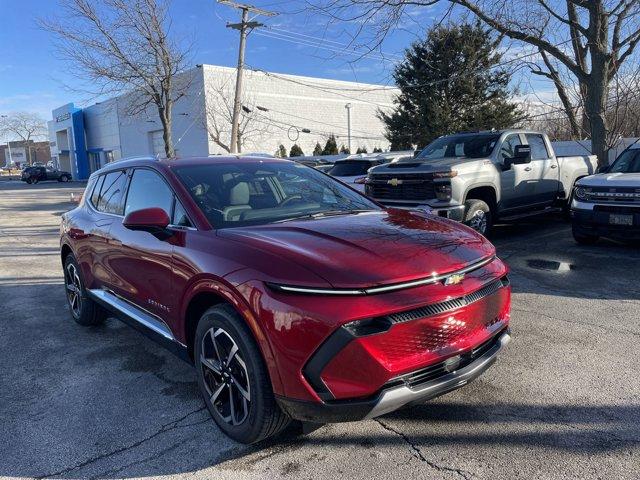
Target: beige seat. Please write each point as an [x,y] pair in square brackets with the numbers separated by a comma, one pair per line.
[239,196]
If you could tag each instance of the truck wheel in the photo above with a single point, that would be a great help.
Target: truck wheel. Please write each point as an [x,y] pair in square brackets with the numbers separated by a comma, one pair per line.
[233,378]
[29,181]
[64,178]
[582,238]
[477,215]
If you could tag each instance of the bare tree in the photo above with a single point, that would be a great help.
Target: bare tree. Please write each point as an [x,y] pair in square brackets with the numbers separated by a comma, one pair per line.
[26,126]
[591,39]
[219,114]
[123,46]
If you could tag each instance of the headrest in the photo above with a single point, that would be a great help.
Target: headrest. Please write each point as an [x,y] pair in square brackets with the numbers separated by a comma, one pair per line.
[239,194]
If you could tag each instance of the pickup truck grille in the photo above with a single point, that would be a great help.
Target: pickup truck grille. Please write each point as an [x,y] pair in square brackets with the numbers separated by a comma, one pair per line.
[401,187]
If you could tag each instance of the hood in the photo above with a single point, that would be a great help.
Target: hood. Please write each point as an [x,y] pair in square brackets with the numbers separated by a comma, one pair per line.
[371,248]
[422,166]
[612,180]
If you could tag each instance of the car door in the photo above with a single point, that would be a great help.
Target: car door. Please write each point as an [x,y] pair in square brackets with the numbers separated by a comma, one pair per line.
[518,183]
[546,167]
[141,263]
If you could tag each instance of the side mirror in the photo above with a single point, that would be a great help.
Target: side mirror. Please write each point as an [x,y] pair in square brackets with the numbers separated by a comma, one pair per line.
[522,154]
[153,220]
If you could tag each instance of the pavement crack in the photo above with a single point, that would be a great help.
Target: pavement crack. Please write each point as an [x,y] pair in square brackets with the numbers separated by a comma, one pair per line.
[163,429]
[418,453]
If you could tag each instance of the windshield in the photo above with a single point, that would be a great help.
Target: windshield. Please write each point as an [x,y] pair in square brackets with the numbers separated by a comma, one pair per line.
[627,162]
[238,194]
[350,168]
[470,146]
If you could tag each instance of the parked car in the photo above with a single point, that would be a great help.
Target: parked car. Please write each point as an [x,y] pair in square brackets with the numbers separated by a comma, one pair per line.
[479,177]
[353,171]
[41,174]
[608,204]
[295,297]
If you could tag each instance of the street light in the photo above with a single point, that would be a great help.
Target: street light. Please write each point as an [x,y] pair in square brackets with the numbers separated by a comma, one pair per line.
[348,107]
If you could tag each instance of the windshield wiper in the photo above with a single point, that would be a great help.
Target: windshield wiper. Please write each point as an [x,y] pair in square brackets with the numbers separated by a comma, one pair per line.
[328,213]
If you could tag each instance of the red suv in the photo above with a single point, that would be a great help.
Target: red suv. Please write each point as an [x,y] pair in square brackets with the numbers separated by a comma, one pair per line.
[294,296]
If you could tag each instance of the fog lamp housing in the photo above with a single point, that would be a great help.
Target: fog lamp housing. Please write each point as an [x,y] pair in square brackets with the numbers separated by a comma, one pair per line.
[443,192]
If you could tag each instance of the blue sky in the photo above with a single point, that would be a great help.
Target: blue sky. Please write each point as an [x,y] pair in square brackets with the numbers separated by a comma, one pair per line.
[32,78]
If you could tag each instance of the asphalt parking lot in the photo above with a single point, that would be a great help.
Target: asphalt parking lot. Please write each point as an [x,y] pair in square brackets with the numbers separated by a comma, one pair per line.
[563,401]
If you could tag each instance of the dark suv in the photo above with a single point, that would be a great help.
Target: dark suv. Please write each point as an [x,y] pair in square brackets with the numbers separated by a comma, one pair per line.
[41,174]
[295,296]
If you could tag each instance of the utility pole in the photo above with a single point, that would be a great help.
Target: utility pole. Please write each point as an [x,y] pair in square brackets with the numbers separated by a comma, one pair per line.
[348,107]
[244,27]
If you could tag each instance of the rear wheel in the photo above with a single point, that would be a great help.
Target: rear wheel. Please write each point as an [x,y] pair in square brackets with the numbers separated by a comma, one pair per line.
[64,178]
[477,215]
[83,310]
[35,180]
[29,181]
[233,378]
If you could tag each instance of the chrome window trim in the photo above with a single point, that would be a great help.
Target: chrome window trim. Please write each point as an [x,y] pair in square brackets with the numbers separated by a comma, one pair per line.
[385,288]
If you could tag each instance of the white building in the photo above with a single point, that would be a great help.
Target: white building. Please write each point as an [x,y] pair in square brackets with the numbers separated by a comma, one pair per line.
[277,109]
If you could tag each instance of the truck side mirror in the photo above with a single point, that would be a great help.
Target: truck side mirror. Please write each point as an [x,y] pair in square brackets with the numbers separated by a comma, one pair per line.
[521,154]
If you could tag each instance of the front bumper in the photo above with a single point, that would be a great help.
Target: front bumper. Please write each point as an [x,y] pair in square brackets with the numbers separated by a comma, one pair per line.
[412,388]
[590,218]
[453,212]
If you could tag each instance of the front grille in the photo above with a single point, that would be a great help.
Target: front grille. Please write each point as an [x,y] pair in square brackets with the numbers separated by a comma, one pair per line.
[613,195]
[449,305]
[413,187]
[427,374]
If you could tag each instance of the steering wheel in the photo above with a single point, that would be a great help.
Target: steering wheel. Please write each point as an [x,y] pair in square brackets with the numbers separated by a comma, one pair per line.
[290,199]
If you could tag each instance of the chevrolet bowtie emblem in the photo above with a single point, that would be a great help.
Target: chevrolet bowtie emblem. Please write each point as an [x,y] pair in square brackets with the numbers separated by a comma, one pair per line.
[394,182]
[454,279]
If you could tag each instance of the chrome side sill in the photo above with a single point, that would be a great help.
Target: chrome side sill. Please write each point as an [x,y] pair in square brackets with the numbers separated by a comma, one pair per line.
[395,398]
[141,320]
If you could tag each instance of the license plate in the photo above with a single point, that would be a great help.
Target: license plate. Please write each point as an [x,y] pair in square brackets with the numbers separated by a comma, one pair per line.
[615,219]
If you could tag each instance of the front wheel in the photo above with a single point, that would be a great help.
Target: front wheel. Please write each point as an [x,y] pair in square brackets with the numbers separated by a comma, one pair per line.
[233,378]
[64,178]
[477,215]
[29,181]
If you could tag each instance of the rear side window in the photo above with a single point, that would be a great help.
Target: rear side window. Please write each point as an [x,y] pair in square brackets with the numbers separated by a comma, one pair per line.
[111,193]
[96,191]
[538,147]
[148,190]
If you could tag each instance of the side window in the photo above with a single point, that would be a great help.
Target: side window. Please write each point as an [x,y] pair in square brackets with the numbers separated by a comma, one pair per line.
[509,146]
[538,147]
[148,190]
[96,191]
[111,193]
[180,216]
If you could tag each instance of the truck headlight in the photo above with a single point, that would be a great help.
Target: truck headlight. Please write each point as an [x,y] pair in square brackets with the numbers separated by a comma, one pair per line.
[443,192]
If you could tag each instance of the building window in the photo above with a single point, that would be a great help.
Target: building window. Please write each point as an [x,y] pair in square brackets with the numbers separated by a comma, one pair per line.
[108,156]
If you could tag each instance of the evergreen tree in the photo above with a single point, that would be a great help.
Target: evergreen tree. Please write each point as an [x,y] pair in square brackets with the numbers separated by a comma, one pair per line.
[281,152]
[331,147]
[449,83]
[296,151]
[377,150]
[317,150]
[344,149]
[362,150]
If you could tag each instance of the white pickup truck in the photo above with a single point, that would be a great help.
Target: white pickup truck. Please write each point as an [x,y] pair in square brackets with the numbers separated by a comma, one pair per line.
[479,177]
[608,204]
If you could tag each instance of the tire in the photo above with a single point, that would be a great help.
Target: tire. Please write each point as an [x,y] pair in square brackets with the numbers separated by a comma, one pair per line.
[29,181]
[83,310]
[64,178]
[478,216]
[582,238]
[35,180]
[243,380]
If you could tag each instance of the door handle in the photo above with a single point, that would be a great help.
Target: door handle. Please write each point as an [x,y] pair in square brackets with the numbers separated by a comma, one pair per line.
[527,169]
[554,166]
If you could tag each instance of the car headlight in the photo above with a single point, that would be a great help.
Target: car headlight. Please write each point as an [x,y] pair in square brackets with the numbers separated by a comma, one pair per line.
[581,193]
